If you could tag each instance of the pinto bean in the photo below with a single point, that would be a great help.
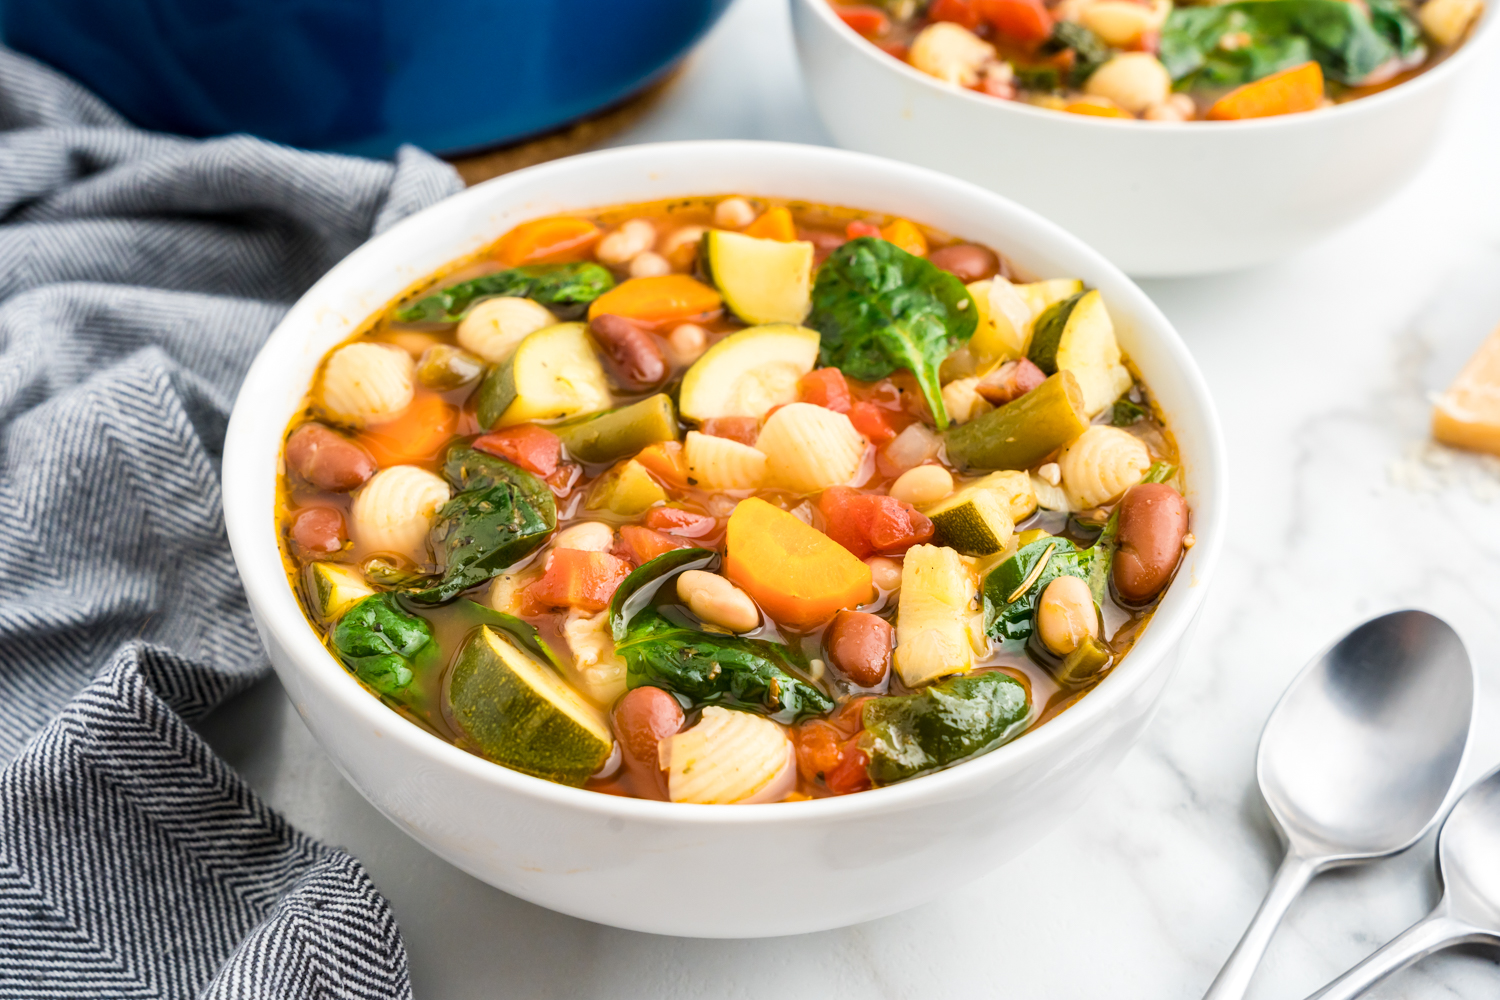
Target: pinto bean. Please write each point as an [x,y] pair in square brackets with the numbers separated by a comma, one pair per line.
[318,531]
[1153,521]
[966,261]
[327,459]
[1010,381]
[633,352]
[642,719]
[859,644]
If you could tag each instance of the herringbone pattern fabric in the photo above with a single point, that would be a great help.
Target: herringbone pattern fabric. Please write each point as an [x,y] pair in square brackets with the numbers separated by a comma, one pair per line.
[138,275]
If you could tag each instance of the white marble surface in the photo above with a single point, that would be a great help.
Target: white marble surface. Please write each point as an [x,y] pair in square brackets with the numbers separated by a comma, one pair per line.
[1321,365]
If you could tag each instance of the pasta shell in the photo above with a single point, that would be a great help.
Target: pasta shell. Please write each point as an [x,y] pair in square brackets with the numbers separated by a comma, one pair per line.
[718,463]
[809,448]
[494,327]
[729,757]
[392,513]
[366,383]
[1102,464]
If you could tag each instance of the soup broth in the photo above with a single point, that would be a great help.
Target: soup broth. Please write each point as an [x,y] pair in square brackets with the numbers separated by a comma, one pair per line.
[726,499]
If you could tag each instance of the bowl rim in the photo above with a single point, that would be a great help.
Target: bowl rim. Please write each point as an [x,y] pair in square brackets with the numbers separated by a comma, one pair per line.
[1456,62]
[253,534]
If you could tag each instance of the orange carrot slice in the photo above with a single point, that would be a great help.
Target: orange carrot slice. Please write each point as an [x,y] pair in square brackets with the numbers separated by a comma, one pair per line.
[1297,89]
[906,236]
[797,574]
[418,435]
[547,241]
[1097,110]
[667,298]
[773,224]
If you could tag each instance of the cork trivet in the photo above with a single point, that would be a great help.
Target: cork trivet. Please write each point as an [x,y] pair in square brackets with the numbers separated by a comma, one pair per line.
[570,139]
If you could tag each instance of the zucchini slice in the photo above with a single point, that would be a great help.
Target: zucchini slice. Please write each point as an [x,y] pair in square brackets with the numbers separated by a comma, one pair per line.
[762,281]
[627,490]
[1089,350]
[932,635]
[976,520]
[1038,295]
[554,374]
[520,713]
[748,372]
[618,433]
[336,588]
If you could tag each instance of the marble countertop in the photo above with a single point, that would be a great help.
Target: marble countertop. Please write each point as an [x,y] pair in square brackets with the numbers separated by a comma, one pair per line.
[1322,366]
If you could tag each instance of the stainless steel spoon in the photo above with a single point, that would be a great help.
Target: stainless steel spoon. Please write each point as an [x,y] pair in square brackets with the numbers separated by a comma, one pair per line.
[1469,866]
[1357,760]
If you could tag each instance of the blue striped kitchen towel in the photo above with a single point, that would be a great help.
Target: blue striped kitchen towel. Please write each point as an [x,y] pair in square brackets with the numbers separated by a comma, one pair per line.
[139,273]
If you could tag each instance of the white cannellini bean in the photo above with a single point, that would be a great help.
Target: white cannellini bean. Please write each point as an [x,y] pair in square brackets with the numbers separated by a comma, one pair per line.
[366,383]
[926,484]
[622,245]
[1176,108]
[494,327]
[885,572]
[717,601]
[588,536]
[733,213]
[688,341]
[1133,80]
[1122,23]
[649,264]
[1065,615]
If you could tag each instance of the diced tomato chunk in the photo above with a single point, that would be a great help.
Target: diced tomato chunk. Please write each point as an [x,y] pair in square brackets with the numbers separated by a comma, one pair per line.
[868,21]
[872,421]
[852,773]
[1022,20]
[827,388]
[962,12]
[533,448]
[677,521]
[643,545]
[818,750]
[868,523]
[579,579]
[859,227]
[742,429]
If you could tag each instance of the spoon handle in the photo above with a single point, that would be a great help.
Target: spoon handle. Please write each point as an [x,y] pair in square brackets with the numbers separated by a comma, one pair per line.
[1432,933]
[1232,981]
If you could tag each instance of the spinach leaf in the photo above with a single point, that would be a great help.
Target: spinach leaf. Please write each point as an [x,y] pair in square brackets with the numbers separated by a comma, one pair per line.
[713,669]
[1159,472]
[1103,557]
[383,645]
[913,734]
[635,592]
[1040,79]
[1009,616]
[504,516]
[879,308]
[1089,53]
[566,288]
[1348,43]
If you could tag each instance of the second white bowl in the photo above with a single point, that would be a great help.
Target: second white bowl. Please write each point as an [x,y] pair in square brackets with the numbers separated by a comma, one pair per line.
[1156,198]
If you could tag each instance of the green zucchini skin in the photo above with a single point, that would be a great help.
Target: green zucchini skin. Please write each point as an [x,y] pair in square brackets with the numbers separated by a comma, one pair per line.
[1047,332]
[1024,431]
[940,725]
[622,432]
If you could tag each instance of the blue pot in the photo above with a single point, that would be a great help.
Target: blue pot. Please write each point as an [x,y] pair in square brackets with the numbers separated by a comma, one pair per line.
[360,76]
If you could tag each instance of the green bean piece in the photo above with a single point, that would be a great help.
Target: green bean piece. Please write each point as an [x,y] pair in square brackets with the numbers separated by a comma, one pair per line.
[1024,431]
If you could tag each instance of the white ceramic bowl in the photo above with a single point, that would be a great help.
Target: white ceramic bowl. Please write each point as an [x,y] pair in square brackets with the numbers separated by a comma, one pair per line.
[1156,198]
[708,871]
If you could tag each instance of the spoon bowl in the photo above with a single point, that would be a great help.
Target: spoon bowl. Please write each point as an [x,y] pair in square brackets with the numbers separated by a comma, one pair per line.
[1358,757]
[1469,866]
[1358,760]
